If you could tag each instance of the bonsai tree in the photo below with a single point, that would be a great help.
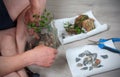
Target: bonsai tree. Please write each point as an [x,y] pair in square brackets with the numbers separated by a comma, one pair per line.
[44,22]
[47,38]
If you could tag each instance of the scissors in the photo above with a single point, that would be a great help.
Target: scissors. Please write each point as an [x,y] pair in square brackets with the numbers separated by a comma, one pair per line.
[100,44]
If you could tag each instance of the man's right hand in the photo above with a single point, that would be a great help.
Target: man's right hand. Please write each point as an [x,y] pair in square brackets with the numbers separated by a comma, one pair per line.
[42,56]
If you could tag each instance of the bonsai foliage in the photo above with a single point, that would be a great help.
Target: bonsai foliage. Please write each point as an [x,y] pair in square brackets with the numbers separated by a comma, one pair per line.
[44,21]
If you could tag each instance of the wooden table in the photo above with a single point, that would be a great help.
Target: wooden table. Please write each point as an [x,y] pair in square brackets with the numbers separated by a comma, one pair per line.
[106,11]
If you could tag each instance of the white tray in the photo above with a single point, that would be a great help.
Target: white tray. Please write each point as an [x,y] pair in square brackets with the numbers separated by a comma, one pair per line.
[59,24]
[110,63]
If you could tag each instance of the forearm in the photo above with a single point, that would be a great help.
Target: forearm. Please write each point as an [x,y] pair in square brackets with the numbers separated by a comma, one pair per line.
[14,63]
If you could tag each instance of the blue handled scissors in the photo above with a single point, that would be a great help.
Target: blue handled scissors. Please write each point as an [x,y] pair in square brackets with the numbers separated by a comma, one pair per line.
[100,43]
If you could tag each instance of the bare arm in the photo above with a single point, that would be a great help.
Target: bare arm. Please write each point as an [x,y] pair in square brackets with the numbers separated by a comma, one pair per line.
[14,63]
[40,55]
[36,7]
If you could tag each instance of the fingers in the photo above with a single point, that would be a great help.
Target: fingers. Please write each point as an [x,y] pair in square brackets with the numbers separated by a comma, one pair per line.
[52,57]
[30,16]
[45,56]
[55,51]
[47,48]
[51,62]
[46,64]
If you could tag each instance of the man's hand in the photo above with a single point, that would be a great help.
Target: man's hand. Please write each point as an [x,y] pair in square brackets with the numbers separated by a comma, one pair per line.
[42,56]
[35,11]
[32,16]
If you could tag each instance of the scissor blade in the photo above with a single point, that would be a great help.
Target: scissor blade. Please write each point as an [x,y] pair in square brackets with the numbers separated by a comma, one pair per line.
[93,42]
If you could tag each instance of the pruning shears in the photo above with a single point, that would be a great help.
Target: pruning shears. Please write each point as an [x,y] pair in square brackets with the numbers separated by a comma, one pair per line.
[101,44]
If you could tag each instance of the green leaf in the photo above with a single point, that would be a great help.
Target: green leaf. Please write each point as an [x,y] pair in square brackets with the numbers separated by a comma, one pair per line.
[38,30]
[43,17]
[78,31]
[33,24]
[48,14]
[44,22]
[82,31]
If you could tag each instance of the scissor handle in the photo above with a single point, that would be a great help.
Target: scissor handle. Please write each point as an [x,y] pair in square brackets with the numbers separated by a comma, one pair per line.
[101,44]
[115,39]
[103,40]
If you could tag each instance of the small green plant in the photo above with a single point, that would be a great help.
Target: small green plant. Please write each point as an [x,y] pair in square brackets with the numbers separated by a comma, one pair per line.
[44,21]
[72,29]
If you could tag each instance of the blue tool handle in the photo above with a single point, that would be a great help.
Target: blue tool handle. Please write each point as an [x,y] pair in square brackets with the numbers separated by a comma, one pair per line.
[115,39]
[103,40]
[102,46]
[112,49]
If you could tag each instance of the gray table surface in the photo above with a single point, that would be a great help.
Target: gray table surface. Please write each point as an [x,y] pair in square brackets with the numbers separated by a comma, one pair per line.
[106,11]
